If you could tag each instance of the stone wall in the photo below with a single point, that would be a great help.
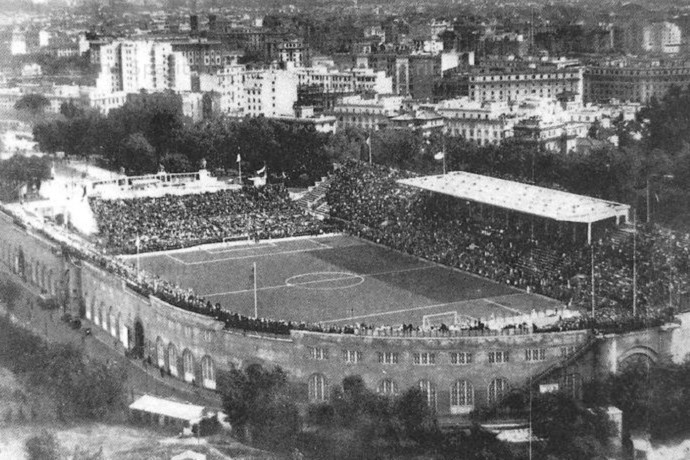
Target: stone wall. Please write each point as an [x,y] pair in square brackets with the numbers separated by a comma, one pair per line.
[458,373]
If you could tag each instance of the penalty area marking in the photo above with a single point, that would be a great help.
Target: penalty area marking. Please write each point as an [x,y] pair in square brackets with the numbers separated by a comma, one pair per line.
[403,310]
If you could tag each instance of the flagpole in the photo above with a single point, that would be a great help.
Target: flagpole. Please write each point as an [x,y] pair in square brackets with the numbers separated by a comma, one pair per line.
[138,264]
[239,167]
[256,308]
[635,262]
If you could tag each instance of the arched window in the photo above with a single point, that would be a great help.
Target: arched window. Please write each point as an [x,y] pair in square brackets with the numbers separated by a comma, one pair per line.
[160,352]
[387,387]
[317,388]
[116,328]
[188,365]
[172,359]
[98,315]
[429,390]
[111,322]
[497,390]
[461,397]
[208,373]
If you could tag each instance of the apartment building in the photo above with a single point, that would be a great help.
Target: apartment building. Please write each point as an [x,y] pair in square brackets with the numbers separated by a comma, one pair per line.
[661,37]
[634,79]
[480,122]
[269,92]
[135,65]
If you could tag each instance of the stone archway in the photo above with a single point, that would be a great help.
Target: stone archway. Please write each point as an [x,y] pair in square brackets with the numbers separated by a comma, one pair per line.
[638,355]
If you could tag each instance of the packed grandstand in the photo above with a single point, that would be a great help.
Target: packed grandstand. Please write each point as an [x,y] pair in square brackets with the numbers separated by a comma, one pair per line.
[368,202]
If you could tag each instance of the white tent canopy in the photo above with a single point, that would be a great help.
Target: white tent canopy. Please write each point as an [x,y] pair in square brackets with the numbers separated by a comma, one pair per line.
[519,197]
[168,408]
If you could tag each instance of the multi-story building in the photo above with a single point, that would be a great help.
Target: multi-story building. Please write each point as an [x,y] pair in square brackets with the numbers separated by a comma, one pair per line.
[369,113]
[661,37]
[228,83]
[634,80]
[269,93]
[355,80]
[412,74]
[204,55]
[556,133]
[133,65]
[480,122]
[514,84]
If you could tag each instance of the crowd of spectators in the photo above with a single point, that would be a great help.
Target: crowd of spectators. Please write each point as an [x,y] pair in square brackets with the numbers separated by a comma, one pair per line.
[369,203]
[175,221]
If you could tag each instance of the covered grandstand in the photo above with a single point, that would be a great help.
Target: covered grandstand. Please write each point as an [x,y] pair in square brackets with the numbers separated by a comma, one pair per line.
[568,209]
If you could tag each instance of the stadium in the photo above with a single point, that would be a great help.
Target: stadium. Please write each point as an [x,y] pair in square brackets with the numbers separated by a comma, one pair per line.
[465,286]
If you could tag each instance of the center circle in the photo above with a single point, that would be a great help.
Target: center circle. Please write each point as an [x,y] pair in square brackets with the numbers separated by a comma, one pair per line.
[321,281]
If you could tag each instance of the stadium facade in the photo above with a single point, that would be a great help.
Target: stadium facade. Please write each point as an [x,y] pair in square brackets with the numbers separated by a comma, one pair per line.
[458,372]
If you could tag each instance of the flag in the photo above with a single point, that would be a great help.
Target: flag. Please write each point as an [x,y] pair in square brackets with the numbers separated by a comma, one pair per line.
[239,158]
[439,156]
[137,243]
[262,170]
[369,141]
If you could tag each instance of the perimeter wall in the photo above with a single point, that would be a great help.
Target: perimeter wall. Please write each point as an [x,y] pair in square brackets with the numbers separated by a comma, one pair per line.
[458,373]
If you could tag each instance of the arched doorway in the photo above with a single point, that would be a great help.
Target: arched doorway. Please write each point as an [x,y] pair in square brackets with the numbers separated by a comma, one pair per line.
[139,339]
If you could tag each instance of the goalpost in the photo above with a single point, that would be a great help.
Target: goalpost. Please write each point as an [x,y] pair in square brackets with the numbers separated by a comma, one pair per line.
[449,318]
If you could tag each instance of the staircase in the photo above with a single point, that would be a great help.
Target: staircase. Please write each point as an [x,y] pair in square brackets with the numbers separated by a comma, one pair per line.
[314,199]
[567,361]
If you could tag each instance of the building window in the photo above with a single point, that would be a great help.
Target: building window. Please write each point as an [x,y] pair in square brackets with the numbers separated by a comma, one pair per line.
[496,357]
[571,385]
[429,389]
[461,394]
[318,353]
[535,354]
[424,359]
[160,352]
[188,365]
[172,360]
[317,388]
[567,351]
[208,373]
[497,390]
[460,358]
[352,356]
[387,387]
[388,357]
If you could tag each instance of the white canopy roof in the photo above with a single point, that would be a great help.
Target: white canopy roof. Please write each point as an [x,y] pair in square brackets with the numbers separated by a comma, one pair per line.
[172,409]
[519,197]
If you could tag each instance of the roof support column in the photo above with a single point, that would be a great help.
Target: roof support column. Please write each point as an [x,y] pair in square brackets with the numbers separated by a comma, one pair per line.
[589,233]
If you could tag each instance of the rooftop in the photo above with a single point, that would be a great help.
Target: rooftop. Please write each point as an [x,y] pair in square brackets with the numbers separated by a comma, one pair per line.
[519,197]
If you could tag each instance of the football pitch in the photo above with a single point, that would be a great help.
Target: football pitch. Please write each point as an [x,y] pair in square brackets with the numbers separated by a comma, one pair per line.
[336,279]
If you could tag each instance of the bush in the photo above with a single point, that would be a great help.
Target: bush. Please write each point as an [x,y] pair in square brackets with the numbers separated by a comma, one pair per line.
[42,447]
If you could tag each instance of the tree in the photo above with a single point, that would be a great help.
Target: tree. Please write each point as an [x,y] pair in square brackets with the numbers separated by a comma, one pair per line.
[259,406]
[137,155]
[71,110]
[571,430]
[33,103]
[43,446]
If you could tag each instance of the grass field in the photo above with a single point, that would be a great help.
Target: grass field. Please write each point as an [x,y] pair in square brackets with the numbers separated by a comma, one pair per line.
[335,280]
